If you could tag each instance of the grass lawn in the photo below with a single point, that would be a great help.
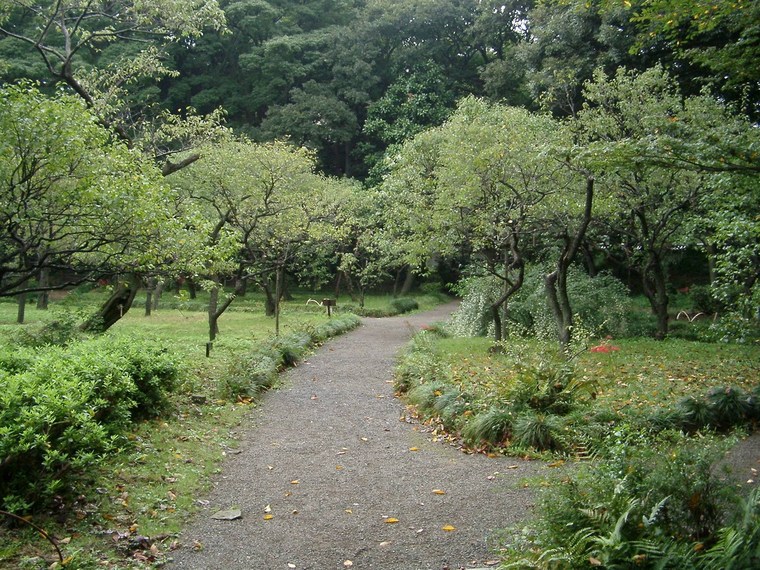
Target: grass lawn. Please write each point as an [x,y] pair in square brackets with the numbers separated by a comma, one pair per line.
[641,373]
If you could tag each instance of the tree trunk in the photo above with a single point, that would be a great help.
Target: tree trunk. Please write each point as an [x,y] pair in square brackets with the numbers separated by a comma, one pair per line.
[21,313]
[192,289]
[655,284]
[115,307]
[213,316]
[43,297]
[278,286]
[216,310]
[338,278]
[555,283]
[513,260]
[148,301]
[157,294]
[408,282]
[150,286]
[269,299]
[588,259]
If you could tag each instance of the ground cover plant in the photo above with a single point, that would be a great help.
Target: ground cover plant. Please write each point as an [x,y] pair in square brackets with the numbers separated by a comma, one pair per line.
[115,483]
[648,419]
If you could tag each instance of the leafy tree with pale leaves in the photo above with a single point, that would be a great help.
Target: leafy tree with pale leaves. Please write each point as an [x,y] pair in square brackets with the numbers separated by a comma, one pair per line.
[77,201]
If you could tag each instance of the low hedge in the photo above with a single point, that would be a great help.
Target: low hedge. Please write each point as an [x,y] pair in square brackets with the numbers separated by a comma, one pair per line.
[69,407]
[395,307]
[253,372]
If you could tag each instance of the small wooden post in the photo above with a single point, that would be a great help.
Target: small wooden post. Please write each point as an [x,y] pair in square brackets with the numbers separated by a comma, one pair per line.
[329,303]
[209,346]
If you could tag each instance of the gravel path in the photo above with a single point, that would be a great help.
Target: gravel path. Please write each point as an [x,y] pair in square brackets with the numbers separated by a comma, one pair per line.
[329,459]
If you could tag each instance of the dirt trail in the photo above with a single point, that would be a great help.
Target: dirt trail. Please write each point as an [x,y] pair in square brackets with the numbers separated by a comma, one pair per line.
[329,458]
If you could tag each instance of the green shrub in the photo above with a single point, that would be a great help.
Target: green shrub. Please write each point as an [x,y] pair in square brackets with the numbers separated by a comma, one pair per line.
[473,317]
[418,363]
[69,408]
[652,504]
[60,332]
[450,407]
[704,300]
[250,373]
[405,304]
[695,412]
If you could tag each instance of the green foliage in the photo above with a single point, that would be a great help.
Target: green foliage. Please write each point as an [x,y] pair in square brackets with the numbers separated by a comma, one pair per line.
[538,430]
[656,504]
[70,406]
[254,371]
[538,392]
[729,406]
[61,331]
[418,363]
[472,317]
[395,307]
[492,427]
[405,304]
[602,306]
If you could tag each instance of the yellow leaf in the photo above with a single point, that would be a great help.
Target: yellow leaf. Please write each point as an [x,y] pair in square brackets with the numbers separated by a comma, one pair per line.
[391,520]
[439,492]
[295,482]
[414,449]
[448,528]
[268,517]
[339,468]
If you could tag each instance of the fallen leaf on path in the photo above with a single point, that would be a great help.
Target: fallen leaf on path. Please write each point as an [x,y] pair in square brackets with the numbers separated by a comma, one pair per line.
[267,509]
[414,449]
[268,517]
[439,492]
[558,463]
[295,482]
[348,564]
[448,528]
[513,466]
[391,520]
[338,467]
[290,565]
[385,543]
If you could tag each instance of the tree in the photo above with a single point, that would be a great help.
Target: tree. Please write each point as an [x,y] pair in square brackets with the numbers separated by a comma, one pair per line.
[263,202]
[482,181]
[76,205]
[628,119]
[66,34]
[719,41]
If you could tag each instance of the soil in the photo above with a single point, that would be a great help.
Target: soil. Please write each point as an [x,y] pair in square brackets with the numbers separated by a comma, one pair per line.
[331,473]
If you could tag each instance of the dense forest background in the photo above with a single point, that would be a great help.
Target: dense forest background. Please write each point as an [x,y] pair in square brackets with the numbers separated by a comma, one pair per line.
[349,78]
